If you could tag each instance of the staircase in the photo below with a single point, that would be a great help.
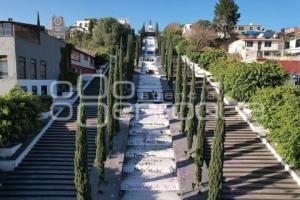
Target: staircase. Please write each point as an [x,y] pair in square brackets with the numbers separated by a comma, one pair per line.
[47,171]
[251,172]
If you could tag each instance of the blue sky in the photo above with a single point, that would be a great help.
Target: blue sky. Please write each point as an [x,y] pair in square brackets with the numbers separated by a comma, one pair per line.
[273,14]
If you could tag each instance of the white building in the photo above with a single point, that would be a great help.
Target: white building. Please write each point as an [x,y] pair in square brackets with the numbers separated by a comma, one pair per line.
[252,49]
[293,47]
[124,21]
[251,27]
[186,29]
[82,24]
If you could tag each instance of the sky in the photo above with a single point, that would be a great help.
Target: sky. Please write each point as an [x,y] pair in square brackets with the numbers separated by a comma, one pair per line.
[272,14]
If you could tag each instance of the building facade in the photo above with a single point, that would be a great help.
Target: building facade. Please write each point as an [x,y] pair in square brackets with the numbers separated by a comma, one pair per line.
[251,27]
[57,27]
[82,62]
[251,49]
[28,57]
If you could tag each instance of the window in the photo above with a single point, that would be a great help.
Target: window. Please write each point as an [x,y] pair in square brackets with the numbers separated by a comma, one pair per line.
[297,43]
[86,57]
[286,45]
[251,28]
[241,28]
[44,90]
[258,28]
[22,68]
[6,29]
[249,43]
[34,90]
[33,68]
[267,53]
[3,67]
[43,70]
[268,44]
[75,55]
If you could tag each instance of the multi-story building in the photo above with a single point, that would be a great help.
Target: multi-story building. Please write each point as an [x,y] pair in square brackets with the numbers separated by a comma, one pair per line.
[82,62]
[82,24]
[124,21]
[251,27]
[28,57]
[251,49]
[292,47]
[57,27]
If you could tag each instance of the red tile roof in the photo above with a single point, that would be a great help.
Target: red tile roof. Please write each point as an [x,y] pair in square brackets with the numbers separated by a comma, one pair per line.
[290,66]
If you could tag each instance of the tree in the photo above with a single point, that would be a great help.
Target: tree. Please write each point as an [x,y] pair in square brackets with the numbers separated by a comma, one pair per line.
[100,140]
[117,89]
[91,26]
[191,114]
[120,78]
[183,106]
[81,170]
[110,105]
[202,35]
[199,158]
[129,58]
[162,51]
[178,84]
[226,16]
[215,173]
[170,60]
[137,52]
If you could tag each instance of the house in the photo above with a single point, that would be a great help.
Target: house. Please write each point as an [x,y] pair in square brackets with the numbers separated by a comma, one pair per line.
[293,68]
[82,62]
[28,57]
[251,49]
[251,27]
[293,46]
[124,21]
[186,29]
[82,24]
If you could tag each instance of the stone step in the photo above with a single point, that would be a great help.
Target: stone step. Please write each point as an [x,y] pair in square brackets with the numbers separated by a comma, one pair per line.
[150,195]
[39,193]
[163,140]
[149,151]
[231,196]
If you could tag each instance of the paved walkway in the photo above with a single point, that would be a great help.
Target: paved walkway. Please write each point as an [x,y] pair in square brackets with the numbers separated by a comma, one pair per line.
[150,169]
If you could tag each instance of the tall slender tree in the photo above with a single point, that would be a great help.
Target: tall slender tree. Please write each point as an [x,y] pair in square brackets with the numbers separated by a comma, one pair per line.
[183,106]
[162,51]
[100,139]
[110,104]
[215,173]
[170,60]
[199,159]
[129,58]
[81,170]
[178,84]
[226,16]
[137,52]
[121,78]
[190,129]
[116,89]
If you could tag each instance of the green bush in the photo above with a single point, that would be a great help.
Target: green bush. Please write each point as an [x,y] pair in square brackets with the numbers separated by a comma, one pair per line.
[279,110]
[46,102]
[218,68]
[194,56]
[243,80]
[211,56]
[182,47]
[19,112]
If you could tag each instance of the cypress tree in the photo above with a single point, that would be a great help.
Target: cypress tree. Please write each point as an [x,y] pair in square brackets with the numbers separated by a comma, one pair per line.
[110,104]
[199,159]
[215,173]
[178,84]
[117,90]
[191,114]
[129,58]
[81,170]
[162,52]
[170,60]
[120,78]
[137,53]
[100,140]
[183,106]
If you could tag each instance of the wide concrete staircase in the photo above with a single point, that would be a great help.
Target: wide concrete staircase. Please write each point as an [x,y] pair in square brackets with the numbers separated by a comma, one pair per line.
[251,172]
[47,171]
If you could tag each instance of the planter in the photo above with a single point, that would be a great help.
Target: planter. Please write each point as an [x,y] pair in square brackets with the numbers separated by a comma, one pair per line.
[10,151]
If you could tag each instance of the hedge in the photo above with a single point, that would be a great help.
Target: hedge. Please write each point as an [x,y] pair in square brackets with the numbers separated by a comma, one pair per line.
[211,56]
[279,110]
[243,80]
[218,68]
[19,113]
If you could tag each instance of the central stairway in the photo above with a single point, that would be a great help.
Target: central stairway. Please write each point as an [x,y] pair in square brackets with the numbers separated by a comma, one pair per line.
[149,171]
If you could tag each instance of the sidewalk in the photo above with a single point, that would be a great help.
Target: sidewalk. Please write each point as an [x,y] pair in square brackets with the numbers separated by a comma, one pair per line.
[186,171]
[114,164]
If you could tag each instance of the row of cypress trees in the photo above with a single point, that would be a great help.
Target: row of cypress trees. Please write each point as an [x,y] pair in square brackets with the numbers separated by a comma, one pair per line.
[186,110]
[105,131]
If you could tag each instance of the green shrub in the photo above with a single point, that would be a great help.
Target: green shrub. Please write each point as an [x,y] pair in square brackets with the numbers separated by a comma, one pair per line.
[46,102]
[19,112]
[243,80]
[279,110]
[182,47]
[218,68]
[211,56]
[194,56]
